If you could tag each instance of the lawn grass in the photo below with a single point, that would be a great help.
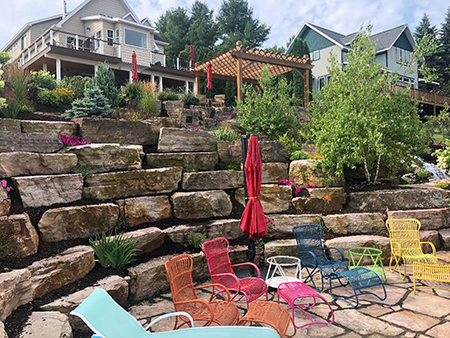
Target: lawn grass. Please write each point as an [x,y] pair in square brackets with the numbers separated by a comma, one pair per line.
[438,139]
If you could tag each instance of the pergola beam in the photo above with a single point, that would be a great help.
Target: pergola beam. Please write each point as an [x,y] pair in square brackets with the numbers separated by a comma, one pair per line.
[269,60]
[225,78]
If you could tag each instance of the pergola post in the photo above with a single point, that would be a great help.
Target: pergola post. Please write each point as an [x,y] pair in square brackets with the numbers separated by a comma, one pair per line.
[240,96]
[197,85]
[306,84]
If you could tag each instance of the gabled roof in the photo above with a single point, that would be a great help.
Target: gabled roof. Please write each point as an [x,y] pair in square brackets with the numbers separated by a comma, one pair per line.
[384,40]
[76,10]
[28,25]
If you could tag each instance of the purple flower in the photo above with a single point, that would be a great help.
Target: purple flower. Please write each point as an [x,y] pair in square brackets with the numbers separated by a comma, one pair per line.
[308,186]
[4,183]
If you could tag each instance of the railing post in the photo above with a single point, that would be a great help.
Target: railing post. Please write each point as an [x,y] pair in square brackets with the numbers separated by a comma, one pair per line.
[23,59]
[35,48]
[43,42]
[77,45]
[120,51]
[164,60]
[29,53]
[100,47]
[51,37]
[178,63]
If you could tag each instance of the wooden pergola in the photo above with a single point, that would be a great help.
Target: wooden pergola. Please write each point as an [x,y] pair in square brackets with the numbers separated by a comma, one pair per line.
[244,64]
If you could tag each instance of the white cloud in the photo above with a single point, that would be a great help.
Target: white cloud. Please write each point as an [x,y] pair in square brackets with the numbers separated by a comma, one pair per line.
[285,17]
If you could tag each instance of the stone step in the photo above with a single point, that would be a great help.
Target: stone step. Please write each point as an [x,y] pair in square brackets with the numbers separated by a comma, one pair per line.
[430,219]
[200,161]
[274,198]
[49,127]
[201,204]
[174,140]
[271,151]
[208,180]
[20,235]
[47,324]
[36,143]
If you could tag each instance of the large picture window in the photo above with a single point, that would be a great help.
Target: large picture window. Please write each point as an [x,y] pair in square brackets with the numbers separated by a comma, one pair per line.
[136,39]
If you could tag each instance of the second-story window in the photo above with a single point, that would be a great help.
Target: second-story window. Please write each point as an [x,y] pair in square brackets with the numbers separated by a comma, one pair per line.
[316,55]
[23,42]
[110,34]
[117,36]
[136,39]
[402,55]
[98,37]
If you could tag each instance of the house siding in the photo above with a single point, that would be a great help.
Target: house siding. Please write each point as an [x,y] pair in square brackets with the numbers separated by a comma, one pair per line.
[315,41]
[40,28]
[382,59]
[321,66]
[403,42]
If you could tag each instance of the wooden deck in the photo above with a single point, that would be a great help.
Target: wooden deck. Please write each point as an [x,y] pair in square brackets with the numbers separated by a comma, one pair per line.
[425,97]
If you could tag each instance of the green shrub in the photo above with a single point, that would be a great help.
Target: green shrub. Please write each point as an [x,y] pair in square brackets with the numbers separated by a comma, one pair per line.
[43,79]
[48,98]
[226,134]
[65,96]
[133,91]
[422,173]
[4,57]
[76,83]
[195,241]
[230,166]
[85,172]
[443,158]
[106,82]
[113,251]
[168,95]
[441,185]
[20,79]
[149,104]
[190,100]
[94,104]
[12,110]
[299,155]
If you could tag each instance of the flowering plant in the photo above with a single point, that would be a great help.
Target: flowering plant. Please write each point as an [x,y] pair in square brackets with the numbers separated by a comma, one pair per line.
[76,141]
[5,186]
[326,201]
[196,127]
[297,187]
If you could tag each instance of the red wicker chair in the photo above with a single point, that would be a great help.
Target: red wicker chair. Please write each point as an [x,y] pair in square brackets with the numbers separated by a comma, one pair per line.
[179,271]
[221,271]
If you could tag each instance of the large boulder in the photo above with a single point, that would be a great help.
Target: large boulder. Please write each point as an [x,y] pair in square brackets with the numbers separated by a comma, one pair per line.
[397,199]
[274,198]
[50,127]
[118,131]
[285,223]
[116,286]
[221,179]
[49,324]
[150,278]
[201,204]
[78,221]
[162,122]
[131,183]
[23,163]
[202,161]
[107,157]
[317,202]
[307,172]
[21,237]
[271,151]
[10,125]
[5,202]
[148,209]
[173,140]
[284,247]
[36,143]
[174,109]
[230,151]
[430,219]
[146,240]
[348,242]
[3,333]
[15,290]
[431,236]
[55,272]
[45,190]
[272,172]
[445,235]
[352,224]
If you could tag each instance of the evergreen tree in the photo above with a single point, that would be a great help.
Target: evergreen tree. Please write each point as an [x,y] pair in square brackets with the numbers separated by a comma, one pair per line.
[424,27]
[444,53]
[173,27]
[236,23]
[203,29]
[299,48]
[94,104]
[105,80]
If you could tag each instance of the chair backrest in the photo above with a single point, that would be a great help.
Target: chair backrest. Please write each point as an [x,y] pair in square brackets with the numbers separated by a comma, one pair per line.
[309,238]
[405,232]
[107,318]
[217,255]
[179,272]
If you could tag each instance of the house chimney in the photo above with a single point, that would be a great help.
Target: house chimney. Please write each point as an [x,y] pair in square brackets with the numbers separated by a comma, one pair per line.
[64,9]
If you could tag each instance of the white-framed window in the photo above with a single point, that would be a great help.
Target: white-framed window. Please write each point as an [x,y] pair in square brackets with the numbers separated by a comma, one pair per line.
[322,82]
[23,42]
[117,36]
[98,37]
[402,55]
[316,55]
[110,37]
[404,81]
[135,39]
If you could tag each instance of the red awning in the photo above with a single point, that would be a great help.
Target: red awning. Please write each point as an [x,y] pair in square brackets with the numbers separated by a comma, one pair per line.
[209,76]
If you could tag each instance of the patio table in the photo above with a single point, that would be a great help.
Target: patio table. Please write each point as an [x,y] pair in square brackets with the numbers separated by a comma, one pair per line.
[359,255]
[276,274]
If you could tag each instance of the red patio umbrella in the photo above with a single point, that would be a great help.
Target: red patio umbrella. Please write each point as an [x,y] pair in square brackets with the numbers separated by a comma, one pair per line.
[253,221]
[209,76]
[135,75]
[191,50]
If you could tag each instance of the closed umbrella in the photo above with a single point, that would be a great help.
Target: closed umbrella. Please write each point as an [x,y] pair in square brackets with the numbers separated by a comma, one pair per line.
[253,221]
[135,75]
[191,51]
[209,76]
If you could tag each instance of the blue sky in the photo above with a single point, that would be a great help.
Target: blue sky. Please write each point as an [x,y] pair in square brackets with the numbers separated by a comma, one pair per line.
[284,16]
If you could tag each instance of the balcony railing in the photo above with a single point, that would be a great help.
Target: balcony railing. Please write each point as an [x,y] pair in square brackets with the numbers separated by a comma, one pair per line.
[423,96]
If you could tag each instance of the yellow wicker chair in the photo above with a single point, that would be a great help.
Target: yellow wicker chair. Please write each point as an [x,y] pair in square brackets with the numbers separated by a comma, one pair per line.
[436,273]
[406,246]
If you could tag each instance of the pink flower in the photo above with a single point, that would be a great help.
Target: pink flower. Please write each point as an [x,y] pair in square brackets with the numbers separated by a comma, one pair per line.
[279,182]
[308,186]
[4,183]
[8,189]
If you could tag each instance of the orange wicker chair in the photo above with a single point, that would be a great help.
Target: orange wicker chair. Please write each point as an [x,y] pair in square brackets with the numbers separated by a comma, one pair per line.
[179,271]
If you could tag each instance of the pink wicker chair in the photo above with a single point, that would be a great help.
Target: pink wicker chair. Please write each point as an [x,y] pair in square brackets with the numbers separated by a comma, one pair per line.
[221,271]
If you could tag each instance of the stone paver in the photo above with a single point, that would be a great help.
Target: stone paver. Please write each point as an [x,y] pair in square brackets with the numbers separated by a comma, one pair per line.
[364,324]
[411,320]
[375,310]
[431,305]
[440,330]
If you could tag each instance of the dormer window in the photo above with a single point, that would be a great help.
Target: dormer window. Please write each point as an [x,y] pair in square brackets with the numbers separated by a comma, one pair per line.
[135,38]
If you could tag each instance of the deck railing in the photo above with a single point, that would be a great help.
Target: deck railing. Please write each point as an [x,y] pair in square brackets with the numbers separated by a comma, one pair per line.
[423,96]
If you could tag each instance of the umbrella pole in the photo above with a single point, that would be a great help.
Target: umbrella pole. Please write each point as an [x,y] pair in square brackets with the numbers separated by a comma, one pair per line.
[251,252]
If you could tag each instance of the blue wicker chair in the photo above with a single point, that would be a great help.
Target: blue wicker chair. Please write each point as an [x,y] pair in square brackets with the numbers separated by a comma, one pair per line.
[312,254]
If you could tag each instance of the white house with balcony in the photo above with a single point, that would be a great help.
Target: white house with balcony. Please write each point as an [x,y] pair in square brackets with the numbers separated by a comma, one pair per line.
[76,42]
[393,48]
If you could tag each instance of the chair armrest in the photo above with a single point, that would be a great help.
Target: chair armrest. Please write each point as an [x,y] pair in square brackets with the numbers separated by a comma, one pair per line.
[228,274]
[201,302]
[432,247]
[213,285]
[316,262]
[337,249]
[168,315]
[251,264]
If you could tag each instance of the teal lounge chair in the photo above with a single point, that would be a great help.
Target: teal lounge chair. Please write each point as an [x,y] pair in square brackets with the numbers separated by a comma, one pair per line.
[109,320]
